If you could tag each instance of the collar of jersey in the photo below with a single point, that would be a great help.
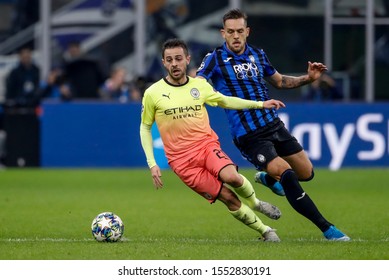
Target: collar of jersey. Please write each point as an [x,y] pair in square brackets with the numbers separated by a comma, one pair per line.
[170,84]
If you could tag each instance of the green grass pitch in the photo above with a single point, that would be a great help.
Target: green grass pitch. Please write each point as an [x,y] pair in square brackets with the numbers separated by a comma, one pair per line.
[46,214]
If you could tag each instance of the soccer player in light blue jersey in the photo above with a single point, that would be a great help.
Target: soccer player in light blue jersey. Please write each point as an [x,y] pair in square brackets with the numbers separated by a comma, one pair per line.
[241,70]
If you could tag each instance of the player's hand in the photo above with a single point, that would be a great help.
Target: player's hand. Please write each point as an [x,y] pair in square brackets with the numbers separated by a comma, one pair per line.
[156,174]
[272,103]
[315,69]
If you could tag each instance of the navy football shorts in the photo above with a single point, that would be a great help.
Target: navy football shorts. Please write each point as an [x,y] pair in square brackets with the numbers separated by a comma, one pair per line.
[261,148]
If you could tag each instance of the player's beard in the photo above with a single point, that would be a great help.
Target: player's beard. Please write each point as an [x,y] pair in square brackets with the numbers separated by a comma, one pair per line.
[236,48]
[177,77]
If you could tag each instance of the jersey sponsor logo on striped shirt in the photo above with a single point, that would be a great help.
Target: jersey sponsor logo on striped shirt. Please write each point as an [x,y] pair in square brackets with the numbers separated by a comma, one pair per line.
[246,70]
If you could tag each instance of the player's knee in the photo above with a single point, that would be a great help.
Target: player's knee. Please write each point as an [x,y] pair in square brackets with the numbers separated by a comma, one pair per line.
[229,198]
[234,180]
[309,178]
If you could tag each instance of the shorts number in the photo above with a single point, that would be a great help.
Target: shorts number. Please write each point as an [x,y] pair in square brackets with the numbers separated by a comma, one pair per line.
[220,154]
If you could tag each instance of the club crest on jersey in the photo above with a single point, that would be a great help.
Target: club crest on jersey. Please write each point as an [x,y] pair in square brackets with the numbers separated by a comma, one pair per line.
[195,93]
[252,59]
[261,158]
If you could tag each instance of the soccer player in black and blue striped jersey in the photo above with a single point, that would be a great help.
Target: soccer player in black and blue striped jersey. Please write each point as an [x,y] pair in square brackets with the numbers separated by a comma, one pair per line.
[239,69]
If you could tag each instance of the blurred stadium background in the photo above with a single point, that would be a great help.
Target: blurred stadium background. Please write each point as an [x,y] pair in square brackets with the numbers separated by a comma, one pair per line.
[350,129]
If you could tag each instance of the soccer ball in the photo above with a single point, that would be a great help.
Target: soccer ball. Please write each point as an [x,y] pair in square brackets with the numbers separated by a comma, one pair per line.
[107,227]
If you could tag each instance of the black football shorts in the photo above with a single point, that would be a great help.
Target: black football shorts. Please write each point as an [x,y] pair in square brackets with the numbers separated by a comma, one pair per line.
[261,148]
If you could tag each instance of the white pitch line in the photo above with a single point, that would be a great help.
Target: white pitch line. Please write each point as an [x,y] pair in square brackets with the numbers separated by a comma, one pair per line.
[17,240]
[59,240]
[123,239]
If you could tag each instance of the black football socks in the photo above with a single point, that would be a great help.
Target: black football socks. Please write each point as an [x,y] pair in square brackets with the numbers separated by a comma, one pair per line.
[300,201]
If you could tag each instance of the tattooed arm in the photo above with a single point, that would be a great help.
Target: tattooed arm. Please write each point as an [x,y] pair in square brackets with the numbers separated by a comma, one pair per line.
[314,71]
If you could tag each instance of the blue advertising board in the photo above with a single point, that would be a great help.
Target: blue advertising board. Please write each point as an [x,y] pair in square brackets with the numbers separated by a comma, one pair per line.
[334,135]
[337,135]
[87,134]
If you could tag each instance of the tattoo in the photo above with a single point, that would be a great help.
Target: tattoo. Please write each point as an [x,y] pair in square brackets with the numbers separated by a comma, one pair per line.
[294,82]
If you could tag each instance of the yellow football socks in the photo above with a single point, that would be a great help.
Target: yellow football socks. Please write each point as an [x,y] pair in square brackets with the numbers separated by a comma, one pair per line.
[247,192]
[249,218]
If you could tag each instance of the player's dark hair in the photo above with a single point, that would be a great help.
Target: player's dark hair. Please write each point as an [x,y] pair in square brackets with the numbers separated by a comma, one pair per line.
[234,14]
[174,43]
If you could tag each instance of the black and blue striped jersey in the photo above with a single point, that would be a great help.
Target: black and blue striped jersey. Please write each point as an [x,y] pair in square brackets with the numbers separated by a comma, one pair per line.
[241,76]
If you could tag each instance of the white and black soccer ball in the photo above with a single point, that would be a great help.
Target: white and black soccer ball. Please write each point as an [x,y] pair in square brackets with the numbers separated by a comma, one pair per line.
[107,227]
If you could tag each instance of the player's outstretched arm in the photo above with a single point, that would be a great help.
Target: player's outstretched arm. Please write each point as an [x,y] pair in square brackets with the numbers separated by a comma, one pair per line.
[314,71]
[236,103]
[273,104]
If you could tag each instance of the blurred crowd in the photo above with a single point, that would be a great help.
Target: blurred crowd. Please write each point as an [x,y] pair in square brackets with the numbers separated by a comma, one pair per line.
[78,76]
